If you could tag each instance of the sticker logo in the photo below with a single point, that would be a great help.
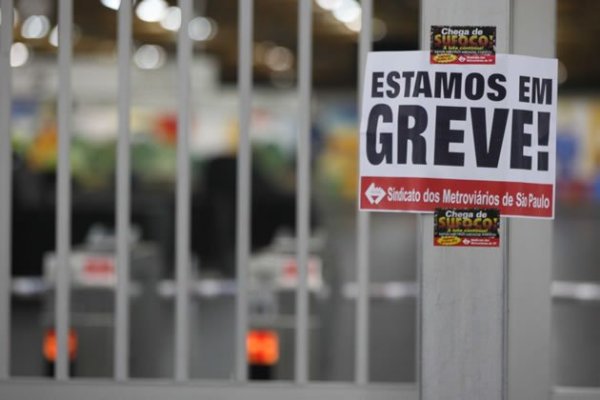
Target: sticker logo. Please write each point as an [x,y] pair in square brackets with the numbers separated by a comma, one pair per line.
[463,45]
[448,241]
[375,194]
[466,227]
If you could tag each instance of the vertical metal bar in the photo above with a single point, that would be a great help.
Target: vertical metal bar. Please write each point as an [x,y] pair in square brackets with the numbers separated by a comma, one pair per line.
[5,184]
[462,301]
[419,311]
[361,363]
[63,218]
[244,165]
[505,248]
[420,251]
[530,273]
[121,356]
[184,54]
[303,187]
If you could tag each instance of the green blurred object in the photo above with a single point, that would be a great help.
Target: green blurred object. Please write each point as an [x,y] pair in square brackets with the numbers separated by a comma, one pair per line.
[153,162]
[92,163]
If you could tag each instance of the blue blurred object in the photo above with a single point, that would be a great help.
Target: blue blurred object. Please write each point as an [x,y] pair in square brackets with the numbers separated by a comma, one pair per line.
[596,187]
[24,107]
[567,146]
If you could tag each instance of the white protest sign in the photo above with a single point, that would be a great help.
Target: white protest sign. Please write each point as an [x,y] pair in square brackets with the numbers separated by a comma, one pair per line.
[455,136]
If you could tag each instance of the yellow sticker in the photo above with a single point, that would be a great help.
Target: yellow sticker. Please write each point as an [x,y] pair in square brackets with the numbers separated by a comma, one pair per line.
[449,241]
[444,58]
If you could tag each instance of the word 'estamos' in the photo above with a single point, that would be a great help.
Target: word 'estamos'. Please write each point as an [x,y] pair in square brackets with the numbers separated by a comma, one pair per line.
[390,129]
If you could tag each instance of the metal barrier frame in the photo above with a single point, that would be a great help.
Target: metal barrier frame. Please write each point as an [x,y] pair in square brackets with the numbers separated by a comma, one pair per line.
[143,390]
[123,193]
[181,387]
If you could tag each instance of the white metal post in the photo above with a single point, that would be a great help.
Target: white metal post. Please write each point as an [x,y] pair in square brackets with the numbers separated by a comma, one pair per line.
[182,255]
[63,214]
[303,187]
[484,313]
[5,185]
[462,303]
[244,182]
[530,241]
[361,359]
[123,196]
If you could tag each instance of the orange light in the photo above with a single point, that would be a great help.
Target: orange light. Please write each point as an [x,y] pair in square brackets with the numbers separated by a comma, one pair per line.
[51,347]
[262,347]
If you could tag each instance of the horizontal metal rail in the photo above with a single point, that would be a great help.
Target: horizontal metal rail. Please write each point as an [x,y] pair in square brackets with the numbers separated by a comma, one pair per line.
[143,390]
[576,291]
[575,393]
[35,287]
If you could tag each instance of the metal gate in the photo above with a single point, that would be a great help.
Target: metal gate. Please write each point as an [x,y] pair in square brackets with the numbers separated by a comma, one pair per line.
[181,386]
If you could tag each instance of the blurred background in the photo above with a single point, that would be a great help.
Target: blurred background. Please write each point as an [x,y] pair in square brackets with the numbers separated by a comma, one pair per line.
[214,140]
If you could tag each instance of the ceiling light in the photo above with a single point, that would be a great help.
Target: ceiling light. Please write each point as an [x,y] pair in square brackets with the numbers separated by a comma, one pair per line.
[112,4]
[152,10]
[35,27]
[149,56]
[279,58]
[379,29]
[261,49]
[563,74]
[348,11]
[378,26]
[201,29]
[329,4]
[19,54]
[172,19]
[53,38]
[355,24]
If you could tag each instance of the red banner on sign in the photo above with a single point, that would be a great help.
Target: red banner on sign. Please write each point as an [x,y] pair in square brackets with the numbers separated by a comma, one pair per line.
[514,199]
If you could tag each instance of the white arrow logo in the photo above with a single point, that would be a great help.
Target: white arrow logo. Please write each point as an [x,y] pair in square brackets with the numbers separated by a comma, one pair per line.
[374,193]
